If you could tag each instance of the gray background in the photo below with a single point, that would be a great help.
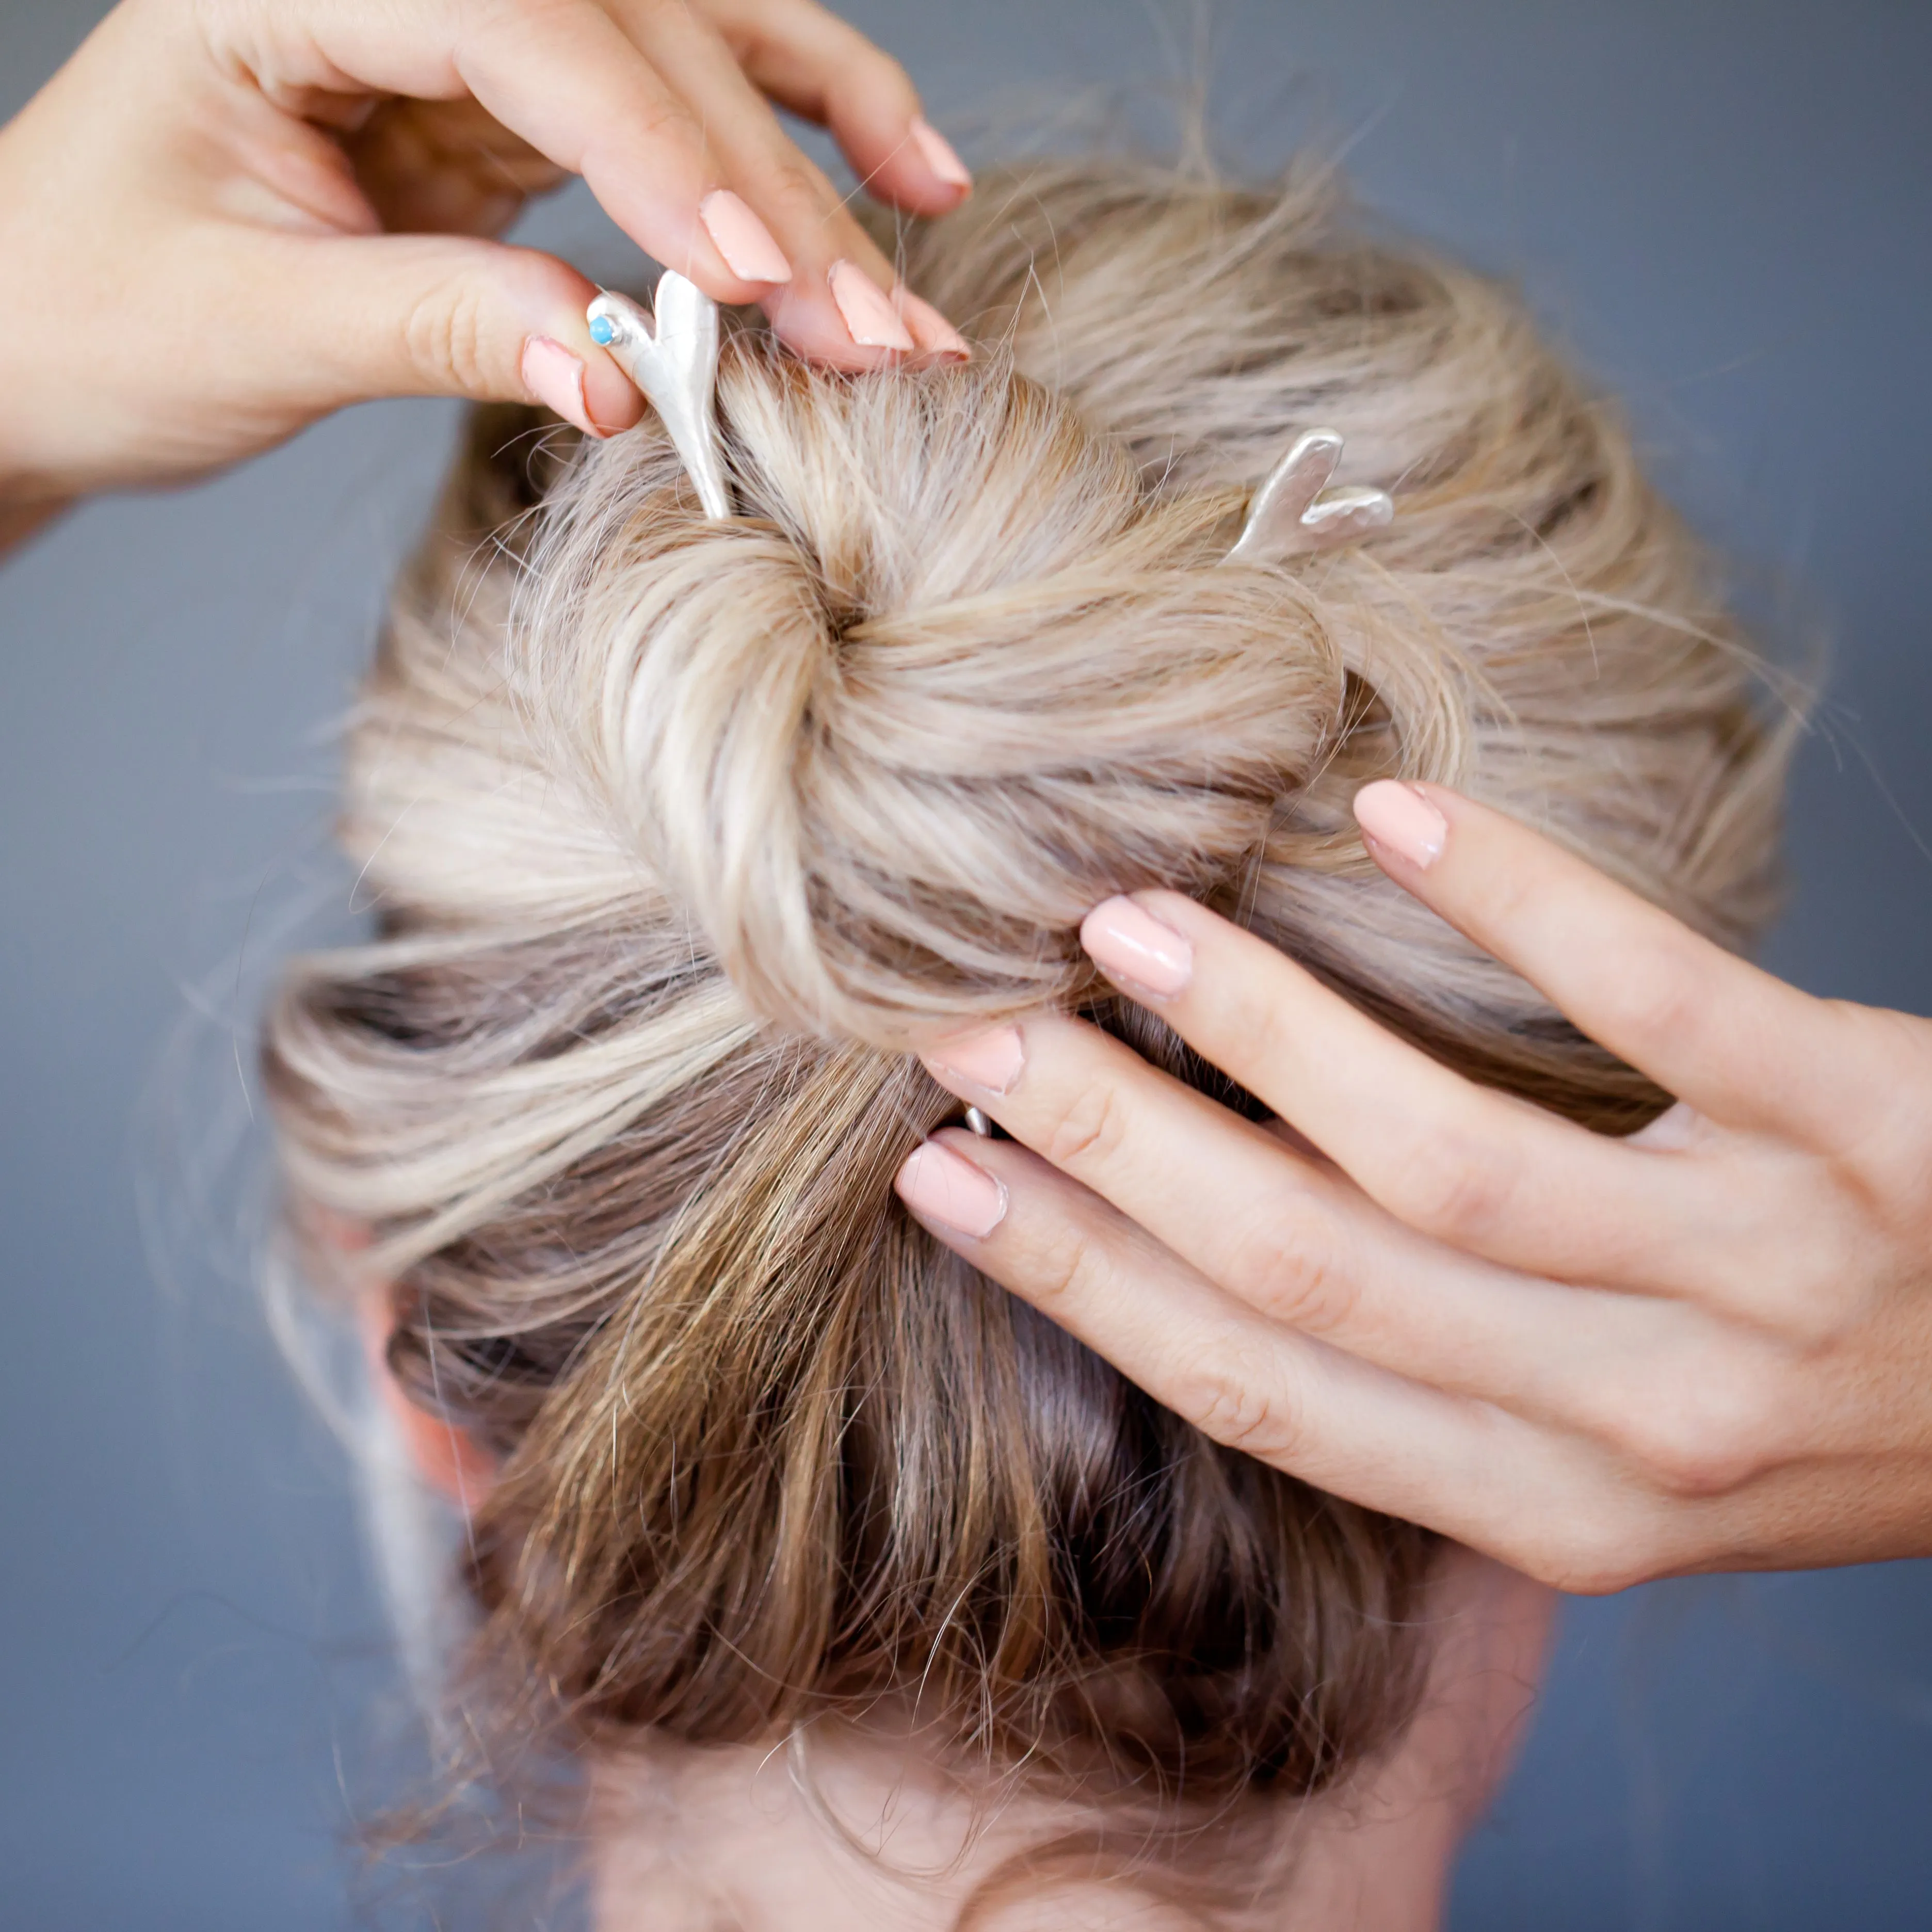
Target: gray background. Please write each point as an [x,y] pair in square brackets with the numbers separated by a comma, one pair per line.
[1719,203]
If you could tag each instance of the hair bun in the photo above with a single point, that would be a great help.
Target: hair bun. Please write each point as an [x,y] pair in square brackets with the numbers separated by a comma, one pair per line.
[953,677]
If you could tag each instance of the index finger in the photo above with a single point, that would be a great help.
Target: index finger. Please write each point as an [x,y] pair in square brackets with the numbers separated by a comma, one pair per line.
[1742,1047]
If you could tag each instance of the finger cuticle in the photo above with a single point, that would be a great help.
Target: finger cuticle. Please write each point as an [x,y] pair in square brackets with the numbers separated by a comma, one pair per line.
[1399,819]
[941,1186]
[992,1061]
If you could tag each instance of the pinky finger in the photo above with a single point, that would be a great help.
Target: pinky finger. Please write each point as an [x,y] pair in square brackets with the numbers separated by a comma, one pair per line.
[1549,1505]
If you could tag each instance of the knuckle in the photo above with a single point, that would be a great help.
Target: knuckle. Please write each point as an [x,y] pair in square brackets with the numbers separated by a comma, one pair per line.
[484,16]
[1062,1268]
[750,34]
[1708,1428]
[1245,1021]
[1878,1135]
[664,121]
[1454,1186]
[1511,893]
[446,336]
[1590,1551]
[866,70]
[1591,1563]
[1089,1131]
[1286,1262]
[1230,1396]
[787,180]
[484,20]
[1661,1001]
[878,70]
[1820,1304]
[1790,1254]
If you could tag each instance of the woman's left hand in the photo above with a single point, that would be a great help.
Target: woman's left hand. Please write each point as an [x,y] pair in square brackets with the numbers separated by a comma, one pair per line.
[1706,1347]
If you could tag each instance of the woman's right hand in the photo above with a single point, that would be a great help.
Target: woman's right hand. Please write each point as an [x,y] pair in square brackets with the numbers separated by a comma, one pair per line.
[221,221]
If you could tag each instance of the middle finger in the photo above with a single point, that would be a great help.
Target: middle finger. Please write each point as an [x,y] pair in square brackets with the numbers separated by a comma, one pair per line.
[1472,1166]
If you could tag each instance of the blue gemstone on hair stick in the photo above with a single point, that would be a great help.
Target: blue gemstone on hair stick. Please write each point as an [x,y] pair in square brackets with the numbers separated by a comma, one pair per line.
[603,331]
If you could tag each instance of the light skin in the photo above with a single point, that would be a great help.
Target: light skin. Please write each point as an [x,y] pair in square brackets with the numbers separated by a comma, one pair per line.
[1707,1347]
[223,220]
[688,1841]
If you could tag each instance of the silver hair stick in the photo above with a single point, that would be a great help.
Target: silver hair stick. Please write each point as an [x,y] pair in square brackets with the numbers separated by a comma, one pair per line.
[673,357]
[1295,510]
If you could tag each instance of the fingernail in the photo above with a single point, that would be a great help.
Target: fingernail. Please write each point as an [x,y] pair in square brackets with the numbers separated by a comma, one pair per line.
[555,377]
[947,1188]
[930,330]
[936,150]
[993,1061]
[1399,816]
[747,245]
[872,320]
[1130,943]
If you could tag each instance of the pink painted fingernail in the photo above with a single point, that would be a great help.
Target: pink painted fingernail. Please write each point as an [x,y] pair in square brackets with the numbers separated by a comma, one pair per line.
[747,245]
[1129,943]
[1398,816]
[872,320]
[993,1061]
[555,378]
[936,150]
[947,1188]
[930,330]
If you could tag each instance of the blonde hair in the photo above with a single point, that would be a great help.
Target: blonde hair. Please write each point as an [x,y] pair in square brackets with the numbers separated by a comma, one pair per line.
[681,831]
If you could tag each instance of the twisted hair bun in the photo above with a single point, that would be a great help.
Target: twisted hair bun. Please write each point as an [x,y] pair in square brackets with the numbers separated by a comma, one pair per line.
[953,677]
[682,831]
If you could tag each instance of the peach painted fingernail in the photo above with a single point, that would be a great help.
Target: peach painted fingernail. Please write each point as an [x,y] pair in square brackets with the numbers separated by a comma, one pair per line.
[936,150]
[750,251]
[1398,816]
[555,377]
[1130,944]
[946,1187]
[872,321]
[930,330]
[992,1060]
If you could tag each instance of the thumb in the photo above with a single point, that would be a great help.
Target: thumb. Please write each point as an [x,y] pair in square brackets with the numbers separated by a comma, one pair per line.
[411,315]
